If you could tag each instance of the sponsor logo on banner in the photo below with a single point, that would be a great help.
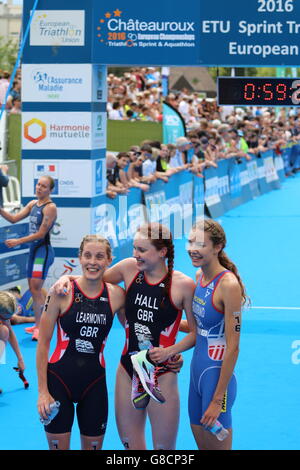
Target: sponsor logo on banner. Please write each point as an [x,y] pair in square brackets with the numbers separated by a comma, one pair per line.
[99,83]
[70,227]
[99,130]
[212,196]
[57,28]
[270,171]
[100,176]
[51,131]
[35,130]
[117,28]
[56,82]
[60,267]
[153,203]
[67,175]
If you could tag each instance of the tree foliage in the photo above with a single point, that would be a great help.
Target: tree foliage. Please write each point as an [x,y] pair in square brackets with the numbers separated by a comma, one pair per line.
[8,54]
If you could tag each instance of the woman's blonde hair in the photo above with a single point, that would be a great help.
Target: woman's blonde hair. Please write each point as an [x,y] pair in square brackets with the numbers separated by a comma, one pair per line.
[97,239]
[8,303]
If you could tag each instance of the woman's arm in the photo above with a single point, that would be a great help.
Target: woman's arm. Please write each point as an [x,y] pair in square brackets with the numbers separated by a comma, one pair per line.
[22,214]
[13,341]
[49,216]
[232,299]
[121,271]
[163,354]
[47,324]
[117,301]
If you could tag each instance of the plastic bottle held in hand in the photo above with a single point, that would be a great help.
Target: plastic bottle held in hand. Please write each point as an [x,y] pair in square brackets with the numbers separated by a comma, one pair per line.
[218,430]
[54,409]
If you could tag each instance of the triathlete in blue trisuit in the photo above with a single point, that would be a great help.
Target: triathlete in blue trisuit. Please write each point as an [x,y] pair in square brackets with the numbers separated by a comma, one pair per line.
[42,215]
[217,306]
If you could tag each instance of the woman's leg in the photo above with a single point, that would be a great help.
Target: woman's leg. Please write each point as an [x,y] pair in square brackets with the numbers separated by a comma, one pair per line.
[91,442]
[4,335]
[130,422]
[164,417]
[205,440]
[59,441]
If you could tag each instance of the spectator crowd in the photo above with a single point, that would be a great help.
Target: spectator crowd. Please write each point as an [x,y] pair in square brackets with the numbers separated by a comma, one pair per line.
[213,132]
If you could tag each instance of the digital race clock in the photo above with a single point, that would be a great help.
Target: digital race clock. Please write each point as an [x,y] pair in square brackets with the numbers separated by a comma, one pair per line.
[252,91]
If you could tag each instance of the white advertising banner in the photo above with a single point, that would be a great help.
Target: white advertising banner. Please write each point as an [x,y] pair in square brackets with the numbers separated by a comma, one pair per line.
[50,83]
[70,227]
[57,28]
[73,178]
[59,130]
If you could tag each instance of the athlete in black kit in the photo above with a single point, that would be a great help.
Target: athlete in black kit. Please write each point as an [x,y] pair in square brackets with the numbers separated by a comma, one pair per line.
[155,298]
[75,372]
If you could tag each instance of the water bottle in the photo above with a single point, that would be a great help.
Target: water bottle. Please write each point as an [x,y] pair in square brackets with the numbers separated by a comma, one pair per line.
[218,430]
[54,409]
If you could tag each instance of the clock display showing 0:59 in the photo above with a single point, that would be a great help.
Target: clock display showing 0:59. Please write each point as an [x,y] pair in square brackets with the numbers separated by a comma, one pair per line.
[252,91]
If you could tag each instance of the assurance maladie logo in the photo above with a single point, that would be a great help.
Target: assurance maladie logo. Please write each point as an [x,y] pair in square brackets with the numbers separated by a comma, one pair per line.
[117,29]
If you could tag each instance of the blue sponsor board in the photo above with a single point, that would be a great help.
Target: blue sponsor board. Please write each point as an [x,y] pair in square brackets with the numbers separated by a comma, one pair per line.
[279,166]
[245,181]
[13,268]
[168,33]
[173,125]
[235,182]
[100,167]
[13,231]
[198,197]
[264,187]
[259,33]
[253,177]
[172,204]
[60,32]
[271,175]
[223,184]
[117,220]
[213,202]
[286,154]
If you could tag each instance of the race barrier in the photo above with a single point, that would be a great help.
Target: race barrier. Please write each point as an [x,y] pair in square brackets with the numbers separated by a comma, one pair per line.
[177,203]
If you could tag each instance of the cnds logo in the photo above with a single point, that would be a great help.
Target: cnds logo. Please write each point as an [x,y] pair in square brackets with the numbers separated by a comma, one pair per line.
[35,130]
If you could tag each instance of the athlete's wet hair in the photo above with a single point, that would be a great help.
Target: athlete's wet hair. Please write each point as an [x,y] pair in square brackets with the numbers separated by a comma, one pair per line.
[51,181]
[97,239]
[161,237]
[8,304]
[218,237]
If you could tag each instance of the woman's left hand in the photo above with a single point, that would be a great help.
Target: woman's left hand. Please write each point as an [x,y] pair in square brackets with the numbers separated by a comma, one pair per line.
[21,365]
[211,414]
[159,355]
